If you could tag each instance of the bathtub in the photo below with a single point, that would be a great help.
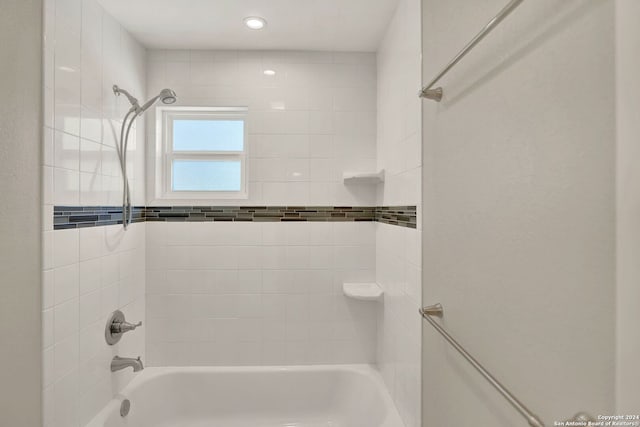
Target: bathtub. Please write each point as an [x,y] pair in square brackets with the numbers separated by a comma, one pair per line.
[305,396]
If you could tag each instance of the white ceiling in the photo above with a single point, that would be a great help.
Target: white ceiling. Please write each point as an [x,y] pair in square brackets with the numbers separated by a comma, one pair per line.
[342,25]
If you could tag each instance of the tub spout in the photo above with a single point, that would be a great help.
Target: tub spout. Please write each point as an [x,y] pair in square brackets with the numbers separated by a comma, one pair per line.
[118,363]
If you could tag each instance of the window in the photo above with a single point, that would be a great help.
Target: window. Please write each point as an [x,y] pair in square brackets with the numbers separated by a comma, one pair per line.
[203,153]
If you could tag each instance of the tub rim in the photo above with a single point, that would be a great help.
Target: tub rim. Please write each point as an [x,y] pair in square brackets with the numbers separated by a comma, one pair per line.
[150,373]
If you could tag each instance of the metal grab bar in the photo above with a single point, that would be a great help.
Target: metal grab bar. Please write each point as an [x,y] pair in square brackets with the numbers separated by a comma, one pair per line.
[436,94]
[438,311]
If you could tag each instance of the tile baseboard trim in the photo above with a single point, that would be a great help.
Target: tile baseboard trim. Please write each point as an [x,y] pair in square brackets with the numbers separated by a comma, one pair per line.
[68,217]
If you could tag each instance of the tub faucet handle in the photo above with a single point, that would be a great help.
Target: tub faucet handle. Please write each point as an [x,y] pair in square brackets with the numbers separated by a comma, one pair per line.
[116,326]
[124,326]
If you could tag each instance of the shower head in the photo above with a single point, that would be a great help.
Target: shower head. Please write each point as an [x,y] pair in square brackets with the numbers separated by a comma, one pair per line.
[166,96]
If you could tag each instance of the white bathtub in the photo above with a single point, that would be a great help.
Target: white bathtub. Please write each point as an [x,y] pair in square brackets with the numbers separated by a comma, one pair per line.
[306,396]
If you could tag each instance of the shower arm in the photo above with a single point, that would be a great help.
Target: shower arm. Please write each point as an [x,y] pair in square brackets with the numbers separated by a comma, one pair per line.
[132,99]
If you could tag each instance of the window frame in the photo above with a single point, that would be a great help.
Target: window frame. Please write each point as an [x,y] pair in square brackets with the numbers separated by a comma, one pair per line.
[165,116]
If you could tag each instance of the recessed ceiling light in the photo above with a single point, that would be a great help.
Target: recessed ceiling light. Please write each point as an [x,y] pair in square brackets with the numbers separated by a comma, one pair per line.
[255,22]
[269,72]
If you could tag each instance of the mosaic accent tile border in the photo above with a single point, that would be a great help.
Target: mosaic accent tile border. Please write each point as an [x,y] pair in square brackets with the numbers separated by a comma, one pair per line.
[65,217]
[404,216]
[261,213]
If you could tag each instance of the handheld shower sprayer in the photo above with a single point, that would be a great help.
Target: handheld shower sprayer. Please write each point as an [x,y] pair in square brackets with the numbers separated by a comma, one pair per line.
[166,96]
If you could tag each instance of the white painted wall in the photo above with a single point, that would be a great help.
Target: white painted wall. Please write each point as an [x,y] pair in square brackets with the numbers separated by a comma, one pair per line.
[519,210]
[20,187]
[91,272]
[312,121]
[398,260]
[628,206]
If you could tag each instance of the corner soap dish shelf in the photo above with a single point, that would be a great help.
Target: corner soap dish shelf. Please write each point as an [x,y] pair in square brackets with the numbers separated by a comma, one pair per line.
[364,177]
[363,291]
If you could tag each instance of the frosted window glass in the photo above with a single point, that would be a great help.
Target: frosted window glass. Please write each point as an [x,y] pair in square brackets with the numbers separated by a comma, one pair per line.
[206,175]
[208,135]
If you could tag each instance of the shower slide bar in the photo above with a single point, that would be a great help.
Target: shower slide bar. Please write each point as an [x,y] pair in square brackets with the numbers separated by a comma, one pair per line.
[437,310]
[436,94]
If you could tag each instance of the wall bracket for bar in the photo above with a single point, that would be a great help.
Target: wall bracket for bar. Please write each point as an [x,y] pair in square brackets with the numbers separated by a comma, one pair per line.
[436,310]
[433,94]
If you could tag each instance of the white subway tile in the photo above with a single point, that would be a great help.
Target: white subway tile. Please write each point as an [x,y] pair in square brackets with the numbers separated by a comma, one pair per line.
[279,282]
[65,397]
[67,81]
[297,170]
[66,283]
[90,308]
[320,233]
[66,321]
[270,169]
[47,217]
[48,338]
[47,367]
[68,16]
[66,187]
[249,257]
[48,144]
[66,151]
[249,282]
[91,242]
[321,123]
[91,130]
[321,170]
[109,269]
[47,185]
[90,273]
[109,298]
[284,122]
[65,247]
[48,288]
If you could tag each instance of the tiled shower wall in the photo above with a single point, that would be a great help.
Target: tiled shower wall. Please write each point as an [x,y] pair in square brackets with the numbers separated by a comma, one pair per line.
[248,293]
[270,293]
[398,249]
[234,293]
[88,273]
[312,121]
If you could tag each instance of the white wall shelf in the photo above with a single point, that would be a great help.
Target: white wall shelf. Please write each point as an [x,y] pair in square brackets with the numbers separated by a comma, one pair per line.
[363,291]
[364,177]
